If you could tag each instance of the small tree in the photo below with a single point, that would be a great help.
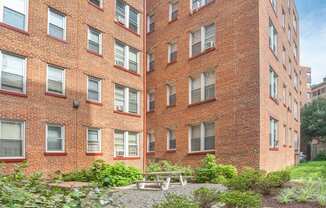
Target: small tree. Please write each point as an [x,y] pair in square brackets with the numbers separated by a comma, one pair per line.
[313,120]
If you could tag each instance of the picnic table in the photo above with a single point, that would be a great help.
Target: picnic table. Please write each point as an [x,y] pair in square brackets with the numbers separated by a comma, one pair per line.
[162,179]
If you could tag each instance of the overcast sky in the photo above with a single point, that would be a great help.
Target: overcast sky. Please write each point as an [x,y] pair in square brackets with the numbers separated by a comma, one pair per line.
[312,14]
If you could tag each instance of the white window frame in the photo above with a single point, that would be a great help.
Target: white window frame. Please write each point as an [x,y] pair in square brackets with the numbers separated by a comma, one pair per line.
[64,23]
[202,87]
[202,137]
[202,39]
[126,99]
[63,80]
[26,15]
[126,56]
[63,134]
[168,93]
[101,3]
[153,137]
[273,133]
[99,90]
[126,144]
[171,4]
[273,83]
[150,19]
[273,38]
[126,22]
[202,4]
[168,136]
[23,123]
[274,5]
[283,19]
[170,51]
[149,100]
[100,39]
[99,133]
[24,71]
[150,56]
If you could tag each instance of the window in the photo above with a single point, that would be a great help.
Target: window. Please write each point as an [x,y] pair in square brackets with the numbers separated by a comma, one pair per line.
[202,137]
[171,141]
[283,56]
[197,4]
[289,34]
[127,16]
[150,102]
[55,138]
[12,139]
[14,13]
[202,39]
[94,89]
[202,87]
[274,4]
[290,137]
[93,140]
[296,110]
[55,80]
[56,24]
[296,141]
[273,38]
[290,101]
[286,135]
[295,50]
[295,22]
[126,144]
[172,52]
[150,62]
[98,3]
[284,94]
[126,99]
[13,72]
[283,19]
[150,23]
[296,80]
[290,68]
[173,11]
[171,95]
[273,83]
[94,40]
[126,56]
[273,133]
[150,142]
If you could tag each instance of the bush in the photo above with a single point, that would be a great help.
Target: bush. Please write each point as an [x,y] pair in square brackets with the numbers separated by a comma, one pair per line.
[206,198]
[246,180]
[238,199]
[212,172]
[165,165]
[176,201]
[105,174]
[321,156]
[278,178]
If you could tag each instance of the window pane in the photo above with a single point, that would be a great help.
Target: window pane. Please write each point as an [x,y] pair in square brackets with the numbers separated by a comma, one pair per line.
[210,36]
[151,143]
[119,143]
[132,144]
[11,139]
[94,40]
[12,73]
[195,90]
[209,85]
[133,107]
[55,138]
[196,43]
[119,98]
[209,136]
[119,54]
[195,138]
[55,80]
[120,11]
[14,18]
[11,130]
[56,18]
[96,2]
[93,143]
[172,140]
[133,20]
[93,89]
[133,60]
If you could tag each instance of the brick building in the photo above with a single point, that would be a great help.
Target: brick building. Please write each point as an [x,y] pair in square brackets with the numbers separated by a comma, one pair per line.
[305,84]
[71,83]
[319,90]
[223,78]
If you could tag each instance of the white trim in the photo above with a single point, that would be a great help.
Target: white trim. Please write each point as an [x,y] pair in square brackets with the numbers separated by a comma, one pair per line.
[24,71]
[202,137]
[100,38]
[126,99]
[63,80]
[23,129]
[62,138]
[126,144]
[64,22]
[99,134]
[26,3]
[99,90]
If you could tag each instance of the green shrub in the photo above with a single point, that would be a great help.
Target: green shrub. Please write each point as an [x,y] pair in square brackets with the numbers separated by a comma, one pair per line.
[286,196]
[176,201]
[104,174]
[210,171]
[164,165]
[246,180]
[205,197]
[278,178]
[321,156]
[238,199]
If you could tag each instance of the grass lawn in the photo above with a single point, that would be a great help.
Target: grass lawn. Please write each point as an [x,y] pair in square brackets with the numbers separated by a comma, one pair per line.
[309,170]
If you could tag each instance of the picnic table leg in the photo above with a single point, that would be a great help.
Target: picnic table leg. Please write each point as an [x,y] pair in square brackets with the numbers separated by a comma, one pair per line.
[166,184]
[183,181]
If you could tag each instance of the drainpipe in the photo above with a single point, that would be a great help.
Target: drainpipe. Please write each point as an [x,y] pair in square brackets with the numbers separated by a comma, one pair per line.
[144,86]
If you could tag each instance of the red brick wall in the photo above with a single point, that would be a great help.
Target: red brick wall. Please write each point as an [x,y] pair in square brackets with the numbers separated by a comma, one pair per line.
[37,109]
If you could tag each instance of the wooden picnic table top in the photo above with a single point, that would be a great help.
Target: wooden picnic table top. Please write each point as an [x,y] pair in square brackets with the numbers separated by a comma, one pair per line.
[163,173]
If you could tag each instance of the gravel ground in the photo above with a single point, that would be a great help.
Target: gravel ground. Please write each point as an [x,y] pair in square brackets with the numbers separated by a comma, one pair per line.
[133,198]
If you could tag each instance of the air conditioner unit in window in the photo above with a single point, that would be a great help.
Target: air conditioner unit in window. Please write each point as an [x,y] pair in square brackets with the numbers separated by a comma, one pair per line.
[119,108]
[196,6]
[210,44]
[119,63]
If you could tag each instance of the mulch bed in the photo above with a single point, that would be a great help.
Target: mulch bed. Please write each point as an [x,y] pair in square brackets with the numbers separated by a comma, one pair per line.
[270,201]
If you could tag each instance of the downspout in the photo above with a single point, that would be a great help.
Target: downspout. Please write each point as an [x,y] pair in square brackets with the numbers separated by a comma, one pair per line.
[144,86]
